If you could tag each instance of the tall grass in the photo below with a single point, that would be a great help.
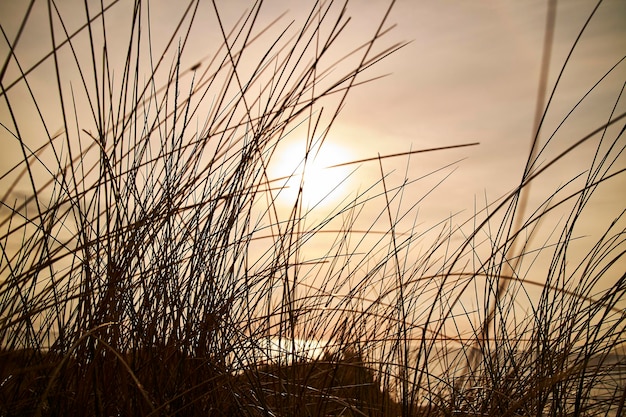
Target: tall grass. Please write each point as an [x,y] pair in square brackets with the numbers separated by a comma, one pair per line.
[150,267]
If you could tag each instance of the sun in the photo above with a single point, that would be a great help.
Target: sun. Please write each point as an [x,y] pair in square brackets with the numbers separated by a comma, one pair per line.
[324,180]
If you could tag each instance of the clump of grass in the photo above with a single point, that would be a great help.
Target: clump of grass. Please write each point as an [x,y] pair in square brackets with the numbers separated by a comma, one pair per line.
[149,268]
[131,274]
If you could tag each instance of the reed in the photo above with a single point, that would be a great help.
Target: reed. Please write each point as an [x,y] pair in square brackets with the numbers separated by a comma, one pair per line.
[148,266]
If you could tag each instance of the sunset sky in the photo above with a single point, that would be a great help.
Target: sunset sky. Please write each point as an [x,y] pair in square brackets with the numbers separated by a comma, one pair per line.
[469,73]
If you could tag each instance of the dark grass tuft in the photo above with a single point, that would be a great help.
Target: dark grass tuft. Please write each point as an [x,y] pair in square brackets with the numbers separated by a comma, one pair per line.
[148,266]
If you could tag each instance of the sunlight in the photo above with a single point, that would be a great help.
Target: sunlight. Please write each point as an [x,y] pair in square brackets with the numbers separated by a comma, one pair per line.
[323,183]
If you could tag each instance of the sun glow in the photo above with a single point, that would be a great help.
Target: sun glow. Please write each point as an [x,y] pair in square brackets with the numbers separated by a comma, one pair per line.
[322,181]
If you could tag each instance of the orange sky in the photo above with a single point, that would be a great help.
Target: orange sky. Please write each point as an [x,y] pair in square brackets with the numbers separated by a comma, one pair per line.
[469,74]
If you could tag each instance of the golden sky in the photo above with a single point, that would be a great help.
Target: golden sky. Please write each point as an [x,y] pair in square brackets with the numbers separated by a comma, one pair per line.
[469,73]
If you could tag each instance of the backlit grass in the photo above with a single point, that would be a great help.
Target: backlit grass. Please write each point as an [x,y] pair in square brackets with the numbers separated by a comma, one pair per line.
[150,264]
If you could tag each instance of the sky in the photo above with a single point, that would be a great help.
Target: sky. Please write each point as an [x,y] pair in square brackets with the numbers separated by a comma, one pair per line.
[469,73]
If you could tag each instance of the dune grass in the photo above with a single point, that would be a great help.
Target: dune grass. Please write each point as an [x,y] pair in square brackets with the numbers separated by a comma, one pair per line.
[148,266]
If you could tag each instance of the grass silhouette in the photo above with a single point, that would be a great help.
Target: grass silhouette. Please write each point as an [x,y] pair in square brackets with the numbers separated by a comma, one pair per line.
[148,267]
